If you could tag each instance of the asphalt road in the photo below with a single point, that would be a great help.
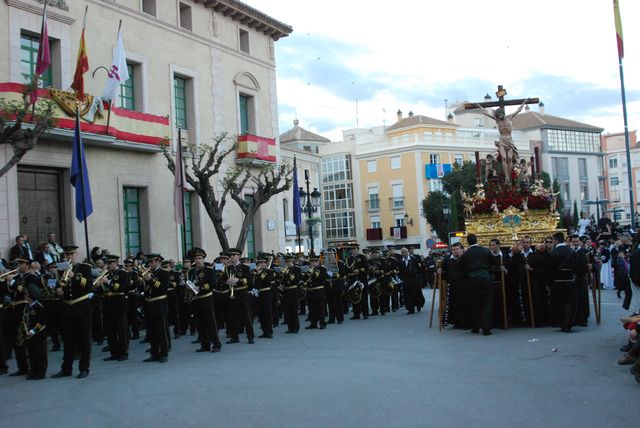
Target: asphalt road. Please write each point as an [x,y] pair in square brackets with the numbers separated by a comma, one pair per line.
[386,371]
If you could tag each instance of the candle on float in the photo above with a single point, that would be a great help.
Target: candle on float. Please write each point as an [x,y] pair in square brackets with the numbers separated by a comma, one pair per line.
[533,167]
[478,166]
[536,151]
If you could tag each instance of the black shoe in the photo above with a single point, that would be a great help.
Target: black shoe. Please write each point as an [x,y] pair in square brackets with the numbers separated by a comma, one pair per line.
[411,312]
[203,350]
[311,327]
[230,341]
[626,348]
[99,342]
[61,374]
[55,348]
[144,341]
[37,377]
[366,317]
[475,330]
[147,350]
[163,359]
[150,359]
[373,314]
[106,349]
[135,337]
[4,371]
[331,322]
[251,341]
[486,333]
[195,341]
[290,332]
[19,373]
[30,376]
[382,313]
[111,358]
[354,318]
[339,322]
[82,375]
[123,358]
[176,336]
[322,327]
[266,336]
[216,349]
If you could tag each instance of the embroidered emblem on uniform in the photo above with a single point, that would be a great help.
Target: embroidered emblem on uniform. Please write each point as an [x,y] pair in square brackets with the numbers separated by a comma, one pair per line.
[32,312]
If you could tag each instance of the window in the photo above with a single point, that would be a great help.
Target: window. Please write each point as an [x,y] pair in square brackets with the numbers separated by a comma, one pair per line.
[395,162]
[372,166]
[188,220]
[243,39]
[127,91]
[306,148]
[564,194]
[582,169]
[458,159]
[339,225]
[613,163]
[247,122]
[479,122]
[28,59]
[560,168]
[180,100]
[185,16]
[398,220]
[285,209]
[614,180]
[584,191]
[374,198]
[435,184]
[149,6]
[251,238]
[397,199]
[375,222]
[573,141]
[132,222]
[434,158]
[337,196]
[336,168]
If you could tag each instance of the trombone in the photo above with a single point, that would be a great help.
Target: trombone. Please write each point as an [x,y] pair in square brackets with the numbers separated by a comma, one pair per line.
[102,275]
[11,272]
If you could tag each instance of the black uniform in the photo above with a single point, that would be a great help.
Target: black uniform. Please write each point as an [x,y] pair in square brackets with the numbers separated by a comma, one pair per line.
[4,309]
[540,262]
[15,316]
[134,301]
[291,277]
[477,263]
[173,298]
[459,310]
[335,291]
[53,306]
[115,313]
[76,331]
[583,258]
[408,272]
[34,322]
[563,290]
[376,272]
[316,296]
[358,270]
[205,280]
[239,303]
[263,282]
[156,311]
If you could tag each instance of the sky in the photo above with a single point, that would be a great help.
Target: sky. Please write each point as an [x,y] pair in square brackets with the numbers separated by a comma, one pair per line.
[354,63]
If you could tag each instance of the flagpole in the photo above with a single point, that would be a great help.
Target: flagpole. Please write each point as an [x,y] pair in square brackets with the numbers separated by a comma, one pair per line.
[84,202]
[36,77]
[183,208]
[106,131]
[295,166]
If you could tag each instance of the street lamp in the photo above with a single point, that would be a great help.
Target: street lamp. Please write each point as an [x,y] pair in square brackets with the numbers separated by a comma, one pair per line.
[311,201]
[446,211]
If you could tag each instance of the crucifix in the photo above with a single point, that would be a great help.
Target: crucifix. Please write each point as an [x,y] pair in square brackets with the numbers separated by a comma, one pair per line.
[506,148]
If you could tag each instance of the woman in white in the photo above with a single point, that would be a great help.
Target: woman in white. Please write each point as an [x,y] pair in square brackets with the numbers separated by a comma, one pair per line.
[583,223]
[606,277]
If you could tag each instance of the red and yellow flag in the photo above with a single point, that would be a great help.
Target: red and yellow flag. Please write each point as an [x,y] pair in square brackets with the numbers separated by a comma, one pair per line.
[82,66]
[616,12]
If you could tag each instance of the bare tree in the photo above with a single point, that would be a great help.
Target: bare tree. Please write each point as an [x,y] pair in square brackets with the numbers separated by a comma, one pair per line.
[203,172]
[23,124]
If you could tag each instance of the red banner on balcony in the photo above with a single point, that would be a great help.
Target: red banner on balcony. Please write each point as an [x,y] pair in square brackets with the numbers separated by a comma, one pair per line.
[255,147]
[399,232]
[374,234]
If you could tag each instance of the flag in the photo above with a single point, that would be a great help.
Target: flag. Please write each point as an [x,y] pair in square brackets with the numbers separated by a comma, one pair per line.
[616,12]
[297,214]
[118,73]
[179,184]
[82,66]
[80,176]
[43,59]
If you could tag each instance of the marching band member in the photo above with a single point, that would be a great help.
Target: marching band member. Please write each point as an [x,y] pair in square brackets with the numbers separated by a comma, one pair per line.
[156,283]
[51,299]
[204,279]
[237,277]
[115,285]
[291,277]
[358,267]
[263,280]
[316,294]
[33,326]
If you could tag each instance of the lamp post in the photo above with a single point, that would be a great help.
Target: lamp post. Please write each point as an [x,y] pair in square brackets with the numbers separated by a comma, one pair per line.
[446,211]
[310,207]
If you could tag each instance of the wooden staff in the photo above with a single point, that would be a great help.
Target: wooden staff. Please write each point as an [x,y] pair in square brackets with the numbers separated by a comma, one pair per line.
[435,287]
[533,321]
[504,293]
[443,302]
[599,312]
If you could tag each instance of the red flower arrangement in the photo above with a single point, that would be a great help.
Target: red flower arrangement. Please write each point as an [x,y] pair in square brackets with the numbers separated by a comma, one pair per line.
[507,199]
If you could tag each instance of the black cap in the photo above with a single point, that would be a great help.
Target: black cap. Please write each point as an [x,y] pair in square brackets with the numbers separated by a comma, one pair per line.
[22,260]
[234,252]
[128,261]
[153,256]
[33,291]
[199,252]
[111,258]
[70,249]
[289,256]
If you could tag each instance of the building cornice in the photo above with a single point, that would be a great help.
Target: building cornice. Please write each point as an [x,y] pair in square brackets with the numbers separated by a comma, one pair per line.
[36,8]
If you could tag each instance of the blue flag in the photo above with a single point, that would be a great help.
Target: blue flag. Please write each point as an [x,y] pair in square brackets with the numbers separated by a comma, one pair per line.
[297,214]
[80,176]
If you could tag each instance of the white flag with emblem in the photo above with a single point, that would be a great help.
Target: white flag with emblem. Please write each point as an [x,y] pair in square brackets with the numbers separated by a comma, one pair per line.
[118,73]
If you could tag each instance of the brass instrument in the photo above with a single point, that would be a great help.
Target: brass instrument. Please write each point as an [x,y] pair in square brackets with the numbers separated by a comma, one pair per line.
[191,292]
[354,292]
[11,272]
[145,271]
[102,275]
[22,333]
[67,274]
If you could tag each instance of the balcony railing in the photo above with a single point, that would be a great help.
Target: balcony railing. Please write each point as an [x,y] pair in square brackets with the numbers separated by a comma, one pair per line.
[373,204]
[374,234]
[398,232]
[397,203]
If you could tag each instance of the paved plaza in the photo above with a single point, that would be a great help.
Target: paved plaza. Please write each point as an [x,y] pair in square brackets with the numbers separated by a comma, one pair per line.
[386,371]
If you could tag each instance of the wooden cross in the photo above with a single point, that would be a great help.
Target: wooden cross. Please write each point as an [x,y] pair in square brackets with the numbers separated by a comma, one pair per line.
[501,101]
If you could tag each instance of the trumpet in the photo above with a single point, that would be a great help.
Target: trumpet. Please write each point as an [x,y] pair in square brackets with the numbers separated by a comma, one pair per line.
[145,271]
[99,278]
[67,274]
[11,272]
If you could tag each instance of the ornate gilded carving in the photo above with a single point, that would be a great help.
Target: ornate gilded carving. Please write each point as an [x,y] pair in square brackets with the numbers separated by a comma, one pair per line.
[512,224]
[60,4]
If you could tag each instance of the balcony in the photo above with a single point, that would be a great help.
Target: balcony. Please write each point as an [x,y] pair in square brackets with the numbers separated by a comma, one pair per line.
[373,205]
[254,148]
[397,203]
[374,234]
[127,129]
[398,232]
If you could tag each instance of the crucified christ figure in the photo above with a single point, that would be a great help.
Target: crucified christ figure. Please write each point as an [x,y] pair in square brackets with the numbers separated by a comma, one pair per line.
[506,148]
